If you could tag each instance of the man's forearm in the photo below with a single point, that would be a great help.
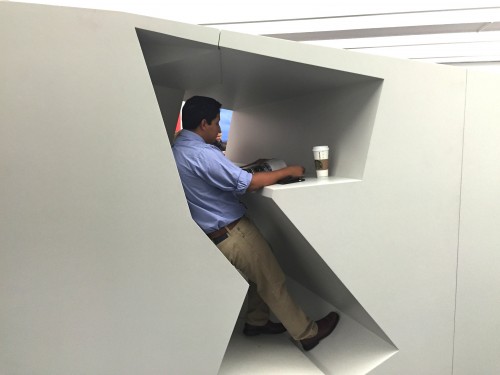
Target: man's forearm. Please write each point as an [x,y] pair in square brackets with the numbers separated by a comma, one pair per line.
[261,179]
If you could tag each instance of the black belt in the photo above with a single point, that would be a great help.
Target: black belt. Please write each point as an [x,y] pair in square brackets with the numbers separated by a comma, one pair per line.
[218,240]
[221,234]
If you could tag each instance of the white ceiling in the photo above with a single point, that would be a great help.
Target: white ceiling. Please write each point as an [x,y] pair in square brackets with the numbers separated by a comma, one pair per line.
[435,31]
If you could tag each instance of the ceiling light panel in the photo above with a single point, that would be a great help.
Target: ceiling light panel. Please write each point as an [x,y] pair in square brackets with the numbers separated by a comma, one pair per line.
[437,50]
[481,16]
[391,41]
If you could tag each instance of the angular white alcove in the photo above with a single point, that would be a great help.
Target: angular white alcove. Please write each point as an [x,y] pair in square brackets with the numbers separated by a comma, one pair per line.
[98,251]
[281,110]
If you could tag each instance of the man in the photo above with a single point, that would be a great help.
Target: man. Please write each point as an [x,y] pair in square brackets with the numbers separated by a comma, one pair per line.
[212,185]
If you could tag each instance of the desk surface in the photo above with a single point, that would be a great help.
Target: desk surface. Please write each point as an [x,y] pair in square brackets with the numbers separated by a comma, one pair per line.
[309,182]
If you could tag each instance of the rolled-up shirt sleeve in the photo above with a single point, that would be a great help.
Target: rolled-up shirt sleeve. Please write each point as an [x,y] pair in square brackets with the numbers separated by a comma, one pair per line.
[244,181]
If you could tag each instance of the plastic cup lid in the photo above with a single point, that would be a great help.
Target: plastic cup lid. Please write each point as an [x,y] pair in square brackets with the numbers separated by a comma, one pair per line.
[321,148]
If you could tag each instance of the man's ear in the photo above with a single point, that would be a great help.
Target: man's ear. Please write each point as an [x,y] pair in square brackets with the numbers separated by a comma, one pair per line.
[203,124]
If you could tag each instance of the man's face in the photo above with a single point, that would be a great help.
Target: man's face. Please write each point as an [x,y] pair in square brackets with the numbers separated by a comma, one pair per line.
[214,129]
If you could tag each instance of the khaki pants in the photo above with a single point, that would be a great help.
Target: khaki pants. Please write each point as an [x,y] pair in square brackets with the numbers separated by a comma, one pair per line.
[250,253]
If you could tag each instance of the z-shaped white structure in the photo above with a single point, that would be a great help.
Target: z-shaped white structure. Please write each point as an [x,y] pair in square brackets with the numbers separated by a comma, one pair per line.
[102,270]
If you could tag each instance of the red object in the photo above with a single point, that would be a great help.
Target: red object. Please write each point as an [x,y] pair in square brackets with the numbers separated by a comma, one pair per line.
[179,124]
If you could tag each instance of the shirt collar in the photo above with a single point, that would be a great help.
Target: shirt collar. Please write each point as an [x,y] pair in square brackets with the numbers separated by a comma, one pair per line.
[190,135]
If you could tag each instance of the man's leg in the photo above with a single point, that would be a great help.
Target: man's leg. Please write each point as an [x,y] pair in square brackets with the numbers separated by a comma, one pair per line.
[250,253]
[257,311]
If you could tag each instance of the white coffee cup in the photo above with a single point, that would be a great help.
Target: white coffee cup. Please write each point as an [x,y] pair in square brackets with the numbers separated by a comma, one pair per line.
[321,160]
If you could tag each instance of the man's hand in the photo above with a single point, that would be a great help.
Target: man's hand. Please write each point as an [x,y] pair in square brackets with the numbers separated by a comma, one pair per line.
[261,179]
[295,171]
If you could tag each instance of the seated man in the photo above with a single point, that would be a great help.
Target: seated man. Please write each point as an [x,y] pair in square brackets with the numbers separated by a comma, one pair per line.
[212,185]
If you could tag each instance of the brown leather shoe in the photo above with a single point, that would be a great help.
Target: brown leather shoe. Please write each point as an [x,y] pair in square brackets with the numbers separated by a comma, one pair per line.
[269,328]
[326,326]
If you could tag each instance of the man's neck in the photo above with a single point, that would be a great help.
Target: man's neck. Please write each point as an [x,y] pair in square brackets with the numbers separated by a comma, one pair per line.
[200,133]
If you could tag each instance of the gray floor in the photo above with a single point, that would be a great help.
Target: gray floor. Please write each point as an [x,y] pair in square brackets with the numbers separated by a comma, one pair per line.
[265,354]
[350,350]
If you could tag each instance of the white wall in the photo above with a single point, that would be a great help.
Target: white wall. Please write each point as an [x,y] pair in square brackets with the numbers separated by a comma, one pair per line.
[102,269]
[392,238]
[477,327]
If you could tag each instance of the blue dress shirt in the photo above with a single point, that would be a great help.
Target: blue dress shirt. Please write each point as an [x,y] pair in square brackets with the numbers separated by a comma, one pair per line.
[212,184]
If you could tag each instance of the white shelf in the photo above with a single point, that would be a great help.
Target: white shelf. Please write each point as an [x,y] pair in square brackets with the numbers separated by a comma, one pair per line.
[308,183]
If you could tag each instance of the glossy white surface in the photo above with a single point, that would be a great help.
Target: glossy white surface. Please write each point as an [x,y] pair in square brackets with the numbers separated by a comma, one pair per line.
[102,270]
[477,341]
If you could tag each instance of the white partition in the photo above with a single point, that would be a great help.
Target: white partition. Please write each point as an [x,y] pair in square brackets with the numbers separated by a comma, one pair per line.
[477,326]
[378,235]
[102,270]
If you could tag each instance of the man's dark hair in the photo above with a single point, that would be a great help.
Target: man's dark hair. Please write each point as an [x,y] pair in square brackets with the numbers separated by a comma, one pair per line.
[198,108]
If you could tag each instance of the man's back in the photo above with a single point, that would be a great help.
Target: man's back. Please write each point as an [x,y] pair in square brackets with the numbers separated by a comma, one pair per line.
[211,182]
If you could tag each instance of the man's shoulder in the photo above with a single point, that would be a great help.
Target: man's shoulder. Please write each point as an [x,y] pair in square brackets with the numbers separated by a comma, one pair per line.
[200,155]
